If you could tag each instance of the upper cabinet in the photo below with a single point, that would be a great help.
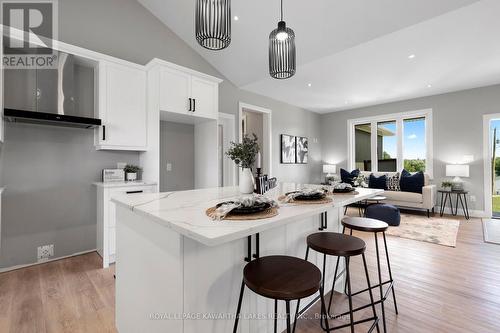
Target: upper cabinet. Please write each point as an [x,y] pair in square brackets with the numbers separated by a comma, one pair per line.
[122,107]
[187,92]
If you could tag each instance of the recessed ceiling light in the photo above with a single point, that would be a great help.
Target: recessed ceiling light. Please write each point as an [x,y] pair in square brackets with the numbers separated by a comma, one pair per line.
[236,18]
[309,84]
[429,86]
[411,56]
[346,102]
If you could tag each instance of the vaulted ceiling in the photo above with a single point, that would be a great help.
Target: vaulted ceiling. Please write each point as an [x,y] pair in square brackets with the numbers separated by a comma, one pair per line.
[354,53]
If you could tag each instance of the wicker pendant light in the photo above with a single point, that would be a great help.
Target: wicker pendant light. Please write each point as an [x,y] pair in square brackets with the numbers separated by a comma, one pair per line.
[213,23]
[282,60]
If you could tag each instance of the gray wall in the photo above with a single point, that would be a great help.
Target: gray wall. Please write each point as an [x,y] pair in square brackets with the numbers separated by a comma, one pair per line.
[60,206]
[457,131]
[49,198]
[177,148]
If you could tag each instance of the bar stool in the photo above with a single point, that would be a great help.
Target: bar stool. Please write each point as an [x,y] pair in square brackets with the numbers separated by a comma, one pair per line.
[374,226]
[340,245]
[281,278]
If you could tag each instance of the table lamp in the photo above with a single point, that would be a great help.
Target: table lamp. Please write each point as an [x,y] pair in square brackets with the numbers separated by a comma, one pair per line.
[330,170]
[457,171]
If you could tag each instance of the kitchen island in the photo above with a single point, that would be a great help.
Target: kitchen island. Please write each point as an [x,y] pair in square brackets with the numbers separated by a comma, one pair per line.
[179,271]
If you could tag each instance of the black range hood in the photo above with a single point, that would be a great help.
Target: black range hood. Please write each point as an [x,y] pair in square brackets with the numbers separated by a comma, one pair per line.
[61,96]
[33,117]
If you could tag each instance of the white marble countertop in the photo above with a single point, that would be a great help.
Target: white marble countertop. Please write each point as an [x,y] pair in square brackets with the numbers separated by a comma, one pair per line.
[123,184]
[184,211]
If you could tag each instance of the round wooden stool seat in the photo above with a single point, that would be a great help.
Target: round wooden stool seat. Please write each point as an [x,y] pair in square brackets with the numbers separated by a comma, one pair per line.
[282,277]
[336,244]
[364,224]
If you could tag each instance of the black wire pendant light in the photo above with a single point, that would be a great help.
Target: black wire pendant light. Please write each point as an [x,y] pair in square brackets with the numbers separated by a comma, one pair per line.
[213,23]
[282,51]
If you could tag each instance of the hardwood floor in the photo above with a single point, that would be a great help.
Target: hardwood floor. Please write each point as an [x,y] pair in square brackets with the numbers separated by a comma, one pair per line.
[438,289]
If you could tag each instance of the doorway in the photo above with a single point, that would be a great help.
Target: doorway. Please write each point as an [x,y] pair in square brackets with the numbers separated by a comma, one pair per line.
[226,135]
[255,119]
[491,138]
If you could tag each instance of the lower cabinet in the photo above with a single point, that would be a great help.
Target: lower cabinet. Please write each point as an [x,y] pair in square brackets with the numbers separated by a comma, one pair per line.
[106,214]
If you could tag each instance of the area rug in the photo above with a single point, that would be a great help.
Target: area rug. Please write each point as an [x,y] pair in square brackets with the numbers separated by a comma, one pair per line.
[431,230]
[491,231]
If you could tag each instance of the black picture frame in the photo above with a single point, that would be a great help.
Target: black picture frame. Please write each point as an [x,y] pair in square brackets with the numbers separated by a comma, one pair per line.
[301,150]
[288,149]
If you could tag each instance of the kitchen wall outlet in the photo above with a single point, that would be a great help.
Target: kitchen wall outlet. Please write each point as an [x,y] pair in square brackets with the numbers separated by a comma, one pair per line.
[472,198]
[169,166]
[120,165]
[45,252]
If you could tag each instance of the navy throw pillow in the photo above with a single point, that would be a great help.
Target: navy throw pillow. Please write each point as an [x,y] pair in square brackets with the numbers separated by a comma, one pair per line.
[348,177]
[412,183]
[377,182]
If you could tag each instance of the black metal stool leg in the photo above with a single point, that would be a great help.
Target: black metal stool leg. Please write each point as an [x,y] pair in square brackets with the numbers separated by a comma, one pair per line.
[298,301]
[333,285]
[390,274]
[351,314]
[323,308]
[236,319]
[288,327]
[380,282]
[345,285]
[370,291]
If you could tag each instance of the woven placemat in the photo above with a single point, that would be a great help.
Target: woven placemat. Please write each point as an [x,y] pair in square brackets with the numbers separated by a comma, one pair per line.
[307,202]
[270,212]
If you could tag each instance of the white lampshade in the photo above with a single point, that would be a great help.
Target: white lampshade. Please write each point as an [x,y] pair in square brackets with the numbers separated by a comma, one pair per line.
[329,168]
[457,170]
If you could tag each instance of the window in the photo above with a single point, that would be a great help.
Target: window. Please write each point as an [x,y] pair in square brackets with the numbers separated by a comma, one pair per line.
[387,150]
[363,134]
[402,140]
[414,149]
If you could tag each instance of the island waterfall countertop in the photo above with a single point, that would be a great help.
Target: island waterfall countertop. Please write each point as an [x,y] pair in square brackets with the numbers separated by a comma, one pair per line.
[184,211]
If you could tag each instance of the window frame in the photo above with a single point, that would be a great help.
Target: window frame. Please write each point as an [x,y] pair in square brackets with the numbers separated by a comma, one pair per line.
[399,118]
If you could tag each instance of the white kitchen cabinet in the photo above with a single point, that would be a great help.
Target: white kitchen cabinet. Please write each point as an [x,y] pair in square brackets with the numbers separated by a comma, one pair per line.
[175,91]
[183,91]
[106,214]
[122,107]
[205,97]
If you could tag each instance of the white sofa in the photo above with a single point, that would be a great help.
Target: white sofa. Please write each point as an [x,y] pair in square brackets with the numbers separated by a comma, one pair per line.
[427,200]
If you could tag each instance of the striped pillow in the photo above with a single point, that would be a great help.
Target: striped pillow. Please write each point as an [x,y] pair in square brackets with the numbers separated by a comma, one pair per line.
[392,183]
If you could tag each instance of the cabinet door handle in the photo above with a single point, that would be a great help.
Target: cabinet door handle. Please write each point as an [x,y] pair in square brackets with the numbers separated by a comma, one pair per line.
[132,192]
[104,133]
[194,105]
[190,104]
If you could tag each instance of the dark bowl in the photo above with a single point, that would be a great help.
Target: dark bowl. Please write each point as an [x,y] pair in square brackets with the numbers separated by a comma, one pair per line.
[305,197]
[256,208]
[345,190]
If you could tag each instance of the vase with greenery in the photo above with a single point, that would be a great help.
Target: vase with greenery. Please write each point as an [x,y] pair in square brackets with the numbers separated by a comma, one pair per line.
[244,154]
[131,172]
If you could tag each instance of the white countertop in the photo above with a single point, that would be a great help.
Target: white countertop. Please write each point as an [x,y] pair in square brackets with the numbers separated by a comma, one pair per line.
[123,184]
[184,211]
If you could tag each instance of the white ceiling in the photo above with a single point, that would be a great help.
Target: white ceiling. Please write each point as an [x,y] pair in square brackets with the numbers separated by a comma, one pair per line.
[355,53]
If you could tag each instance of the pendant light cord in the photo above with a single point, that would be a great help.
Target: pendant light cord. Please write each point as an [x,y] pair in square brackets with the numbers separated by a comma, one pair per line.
[281,10]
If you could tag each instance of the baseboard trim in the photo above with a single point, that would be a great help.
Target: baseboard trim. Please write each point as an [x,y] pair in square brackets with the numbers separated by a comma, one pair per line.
[13,268]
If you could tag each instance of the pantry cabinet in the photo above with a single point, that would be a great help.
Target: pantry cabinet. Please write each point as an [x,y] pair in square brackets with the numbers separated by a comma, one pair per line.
[121,107]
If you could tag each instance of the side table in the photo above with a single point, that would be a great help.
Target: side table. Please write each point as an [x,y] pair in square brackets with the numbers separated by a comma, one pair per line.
[461,196]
